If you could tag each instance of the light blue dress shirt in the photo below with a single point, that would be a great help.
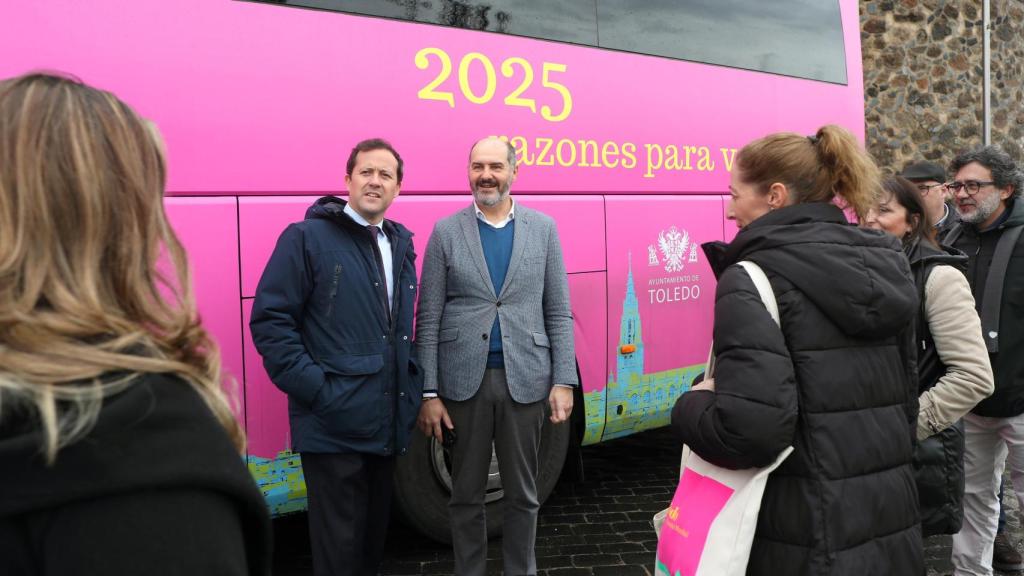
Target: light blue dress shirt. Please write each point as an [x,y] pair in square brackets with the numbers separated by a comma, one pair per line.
[385,251]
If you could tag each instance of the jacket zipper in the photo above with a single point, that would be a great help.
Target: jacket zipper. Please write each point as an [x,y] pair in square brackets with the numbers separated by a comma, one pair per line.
[334,289]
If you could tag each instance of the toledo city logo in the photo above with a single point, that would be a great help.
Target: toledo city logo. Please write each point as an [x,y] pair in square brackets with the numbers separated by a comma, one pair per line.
[675,247]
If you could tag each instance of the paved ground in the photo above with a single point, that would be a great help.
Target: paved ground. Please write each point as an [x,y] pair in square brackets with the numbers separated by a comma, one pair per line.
[595,528]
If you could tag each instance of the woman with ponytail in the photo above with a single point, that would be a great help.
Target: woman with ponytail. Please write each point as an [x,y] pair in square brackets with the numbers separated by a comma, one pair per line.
[120,452]
[837,382]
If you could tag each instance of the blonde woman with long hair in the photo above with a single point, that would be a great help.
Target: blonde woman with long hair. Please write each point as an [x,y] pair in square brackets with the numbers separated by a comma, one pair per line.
[120,452]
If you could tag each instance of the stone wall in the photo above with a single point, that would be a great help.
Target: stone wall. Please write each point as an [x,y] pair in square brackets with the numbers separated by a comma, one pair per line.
[1008,76]
[923,77]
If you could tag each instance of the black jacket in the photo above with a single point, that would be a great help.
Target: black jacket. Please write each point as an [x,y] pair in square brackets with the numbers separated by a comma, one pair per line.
[318,322]
[838,383]
[1007,323]
[939,459]
[155,488]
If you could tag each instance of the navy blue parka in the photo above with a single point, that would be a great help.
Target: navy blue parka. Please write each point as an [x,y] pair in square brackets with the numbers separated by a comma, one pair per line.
[352,381]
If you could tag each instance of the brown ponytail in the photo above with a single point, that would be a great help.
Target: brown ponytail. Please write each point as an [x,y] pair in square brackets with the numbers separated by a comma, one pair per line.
[815,168]
[847,170]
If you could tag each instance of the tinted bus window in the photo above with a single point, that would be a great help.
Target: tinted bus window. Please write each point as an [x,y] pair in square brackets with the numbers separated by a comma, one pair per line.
[765,36]
[572,21]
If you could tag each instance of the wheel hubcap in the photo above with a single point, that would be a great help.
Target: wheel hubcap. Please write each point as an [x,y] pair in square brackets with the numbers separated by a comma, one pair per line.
[441,462]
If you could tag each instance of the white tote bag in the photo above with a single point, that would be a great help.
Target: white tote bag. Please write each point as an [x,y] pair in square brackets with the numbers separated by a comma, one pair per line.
[709,527]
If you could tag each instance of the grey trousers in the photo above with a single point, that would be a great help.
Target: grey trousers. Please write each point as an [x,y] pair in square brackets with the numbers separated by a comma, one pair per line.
[492,414]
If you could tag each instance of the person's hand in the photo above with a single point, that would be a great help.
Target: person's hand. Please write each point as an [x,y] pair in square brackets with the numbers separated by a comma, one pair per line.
[432,415]
[706,384]
[561,403]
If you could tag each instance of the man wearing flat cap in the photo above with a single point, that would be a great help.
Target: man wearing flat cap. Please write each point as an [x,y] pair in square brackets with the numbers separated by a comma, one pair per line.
[930,178]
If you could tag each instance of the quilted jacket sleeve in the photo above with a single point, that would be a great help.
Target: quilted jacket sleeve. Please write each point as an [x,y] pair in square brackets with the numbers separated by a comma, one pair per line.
[751,415]
[277,315]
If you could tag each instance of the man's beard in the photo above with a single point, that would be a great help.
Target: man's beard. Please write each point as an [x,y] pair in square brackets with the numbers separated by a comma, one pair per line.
[982,209]
[490,201]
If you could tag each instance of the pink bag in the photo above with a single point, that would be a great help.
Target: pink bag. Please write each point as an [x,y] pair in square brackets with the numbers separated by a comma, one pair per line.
[696,504]
[709,527]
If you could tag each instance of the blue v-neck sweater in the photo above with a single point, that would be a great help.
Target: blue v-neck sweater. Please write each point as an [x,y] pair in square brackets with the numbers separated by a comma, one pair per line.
[497,245]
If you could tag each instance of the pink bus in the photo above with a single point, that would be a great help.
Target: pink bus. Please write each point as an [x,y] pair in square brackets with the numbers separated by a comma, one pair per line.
[626,116]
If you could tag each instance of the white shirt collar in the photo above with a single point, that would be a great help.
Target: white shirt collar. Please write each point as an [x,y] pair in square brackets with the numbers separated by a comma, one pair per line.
[511,215]
[359,218]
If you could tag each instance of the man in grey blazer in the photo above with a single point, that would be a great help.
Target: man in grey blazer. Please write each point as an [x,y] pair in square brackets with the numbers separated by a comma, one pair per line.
[494,334]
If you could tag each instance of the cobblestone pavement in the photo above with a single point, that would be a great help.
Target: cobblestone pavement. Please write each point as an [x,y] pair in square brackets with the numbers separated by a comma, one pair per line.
[597,527]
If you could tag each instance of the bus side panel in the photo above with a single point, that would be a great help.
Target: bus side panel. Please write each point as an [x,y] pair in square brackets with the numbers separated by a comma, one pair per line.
[850,13]
[208,229]
[261,221]
[590,318]
[580,221]
[660,294]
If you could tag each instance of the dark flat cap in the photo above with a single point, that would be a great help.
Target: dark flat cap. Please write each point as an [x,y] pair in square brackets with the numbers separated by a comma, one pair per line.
[924,171]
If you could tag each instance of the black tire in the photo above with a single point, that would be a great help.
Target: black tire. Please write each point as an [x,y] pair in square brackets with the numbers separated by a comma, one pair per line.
[423,482]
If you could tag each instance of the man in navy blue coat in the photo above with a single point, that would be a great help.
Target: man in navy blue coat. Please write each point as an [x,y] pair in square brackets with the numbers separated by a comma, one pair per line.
[333,321]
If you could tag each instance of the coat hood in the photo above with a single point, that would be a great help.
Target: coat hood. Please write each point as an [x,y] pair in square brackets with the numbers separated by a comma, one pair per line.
[859,278]
[333,208]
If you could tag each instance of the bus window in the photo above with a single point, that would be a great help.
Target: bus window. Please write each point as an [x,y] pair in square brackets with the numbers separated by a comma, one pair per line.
[572,21]
[763,36]
[766,36]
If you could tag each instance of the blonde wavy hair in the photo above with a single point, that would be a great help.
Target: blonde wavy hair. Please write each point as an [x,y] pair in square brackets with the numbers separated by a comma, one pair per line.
[84,307]
[816,168]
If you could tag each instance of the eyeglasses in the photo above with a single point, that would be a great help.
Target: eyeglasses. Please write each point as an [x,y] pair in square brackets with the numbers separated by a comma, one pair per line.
[924,189]
[972,186]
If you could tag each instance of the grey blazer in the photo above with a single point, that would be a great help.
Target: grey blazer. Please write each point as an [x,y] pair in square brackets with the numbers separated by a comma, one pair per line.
[458,304]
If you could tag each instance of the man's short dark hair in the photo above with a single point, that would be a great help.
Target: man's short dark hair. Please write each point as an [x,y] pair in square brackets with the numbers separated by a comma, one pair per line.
[1004,170]
[373,144]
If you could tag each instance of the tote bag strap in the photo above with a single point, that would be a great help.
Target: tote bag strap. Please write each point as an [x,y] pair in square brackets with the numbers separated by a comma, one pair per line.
[764,289]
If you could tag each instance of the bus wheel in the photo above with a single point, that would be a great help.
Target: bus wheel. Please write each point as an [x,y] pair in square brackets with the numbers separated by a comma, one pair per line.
[423,482]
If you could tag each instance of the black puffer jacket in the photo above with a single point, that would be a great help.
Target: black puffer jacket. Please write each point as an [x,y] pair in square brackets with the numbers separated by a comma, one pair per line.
[939,459]
[154,488]
[838,383]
